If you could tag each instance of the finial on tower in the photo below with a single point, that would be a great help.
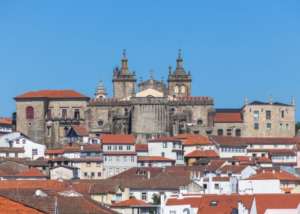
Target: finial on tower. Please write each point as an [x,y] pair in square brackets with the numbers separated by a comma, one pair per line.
[271,99]
[293,103]
[124,54]
[246,101]
[179,53]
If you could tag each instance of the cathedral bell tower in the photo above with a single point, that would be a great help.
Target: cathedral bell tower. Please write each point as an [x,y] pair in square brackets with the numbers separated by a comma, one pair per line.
[123,80]
[179,81]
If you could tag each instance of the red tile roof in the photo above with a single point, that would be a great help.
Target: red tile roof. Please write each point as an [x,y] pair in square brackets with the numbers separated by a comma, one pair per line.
[274,174]
[54,151]
[228,117]
[5,121]
[141,147]
[132,202]
[11,150]
[202,154]
[193,139]
[154,159]
[52,94]
[13,207]
[92,148]
[117,139]
[80,130]
[165,139]
[33,172]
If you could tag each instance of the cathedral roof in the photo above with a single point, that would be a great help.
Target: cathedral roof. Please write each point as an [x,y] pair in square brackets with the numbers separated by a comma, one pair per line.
[52,94]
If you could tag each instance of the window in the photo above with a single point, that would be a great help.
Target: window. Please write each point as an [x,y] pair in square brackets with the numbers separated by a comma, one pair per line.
[49,114]
[176,89]
[220,132]
[269,125]
[163,154]
[99,174]
[66,131]
[120,148]
[77,114]
[85,174]
[64,113]
[144,196]
[132,158]
[115,147]
[256,115]
[182,89]
[282,114]
[199,122]
[93,174]
[268,115]
[34,151]
[165,145]
[256,126]
[229,132]
[108,147]
[100,122]
[49,131]
[238,133]
[217,186]
[128,148]
[30,113]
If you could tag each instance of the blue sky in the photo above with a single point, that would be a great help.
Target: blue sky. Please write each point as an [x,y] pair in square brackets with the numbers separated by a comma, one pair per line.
[232,48]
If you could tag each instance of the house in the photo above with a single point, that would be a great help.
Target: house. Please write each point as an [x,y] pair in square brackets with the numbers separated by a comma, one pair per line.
[6,125]
[155,161]
[166,147]
[270,181]
[21,144]
[77,134]
[229,147]
[88,168]
[200,157]
[193,142]
[135,206]
[63,173]
[118,153]
[141,149]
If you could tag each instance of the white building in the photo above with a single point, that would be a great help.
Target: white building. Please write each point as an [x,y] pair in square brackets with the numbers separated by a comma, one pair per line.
[166,147]
[16,140]
[118,153]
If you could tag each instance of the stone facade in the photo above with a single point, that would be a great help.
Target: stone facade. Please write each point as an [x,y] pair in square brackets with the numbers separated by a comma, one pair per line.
[268,119]
[157,109]
[47,119]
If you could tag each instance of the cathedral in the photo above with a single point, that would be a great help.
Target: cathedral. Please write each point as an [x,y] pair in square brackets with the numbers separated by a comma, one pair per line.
[150,108]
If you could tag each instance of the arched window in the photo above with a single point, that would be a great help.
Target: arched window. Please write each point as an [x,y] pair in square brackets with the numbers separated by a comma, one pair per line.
[182,89]
[176,89]
[30,112]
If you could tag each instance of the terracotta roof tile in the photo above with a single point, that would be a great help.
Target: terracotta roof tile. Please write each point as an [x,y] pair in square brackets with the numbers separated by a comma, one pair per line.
[141,147]
[154,159]
[80,130]
[54,152]
[202,154]
[132,202]
[52,94]
[228,117]
[33,172]
[193,139]
[13,207]
[274,174]
[165,139]
[5,121]
[117,139]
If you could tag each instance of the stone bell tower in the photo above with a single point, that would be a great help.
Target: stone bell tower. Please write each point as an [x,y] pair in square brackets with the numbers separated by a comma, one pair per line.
[179,81]
[123,80]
